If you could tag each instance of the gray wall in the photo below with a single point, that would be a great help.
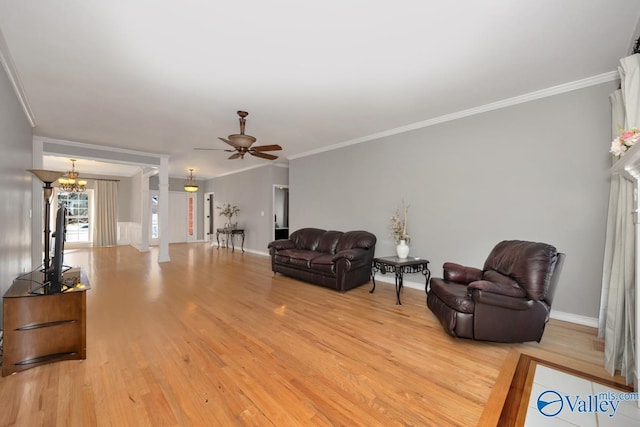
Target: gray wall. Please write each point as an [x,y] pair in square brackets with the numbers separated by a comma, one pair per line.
[124,198]
[252,192]
[15,186]
[135,206]
[535,171]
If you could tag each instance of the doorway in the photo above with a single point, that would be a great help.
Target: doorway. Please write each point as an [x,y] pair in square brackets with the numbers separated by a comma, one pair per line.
[280,212]
[209,217]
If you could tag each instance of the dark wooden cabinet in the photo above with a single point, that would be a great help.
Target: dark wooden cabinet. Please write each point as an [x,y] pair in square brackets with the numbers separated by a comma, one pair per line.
[42,328]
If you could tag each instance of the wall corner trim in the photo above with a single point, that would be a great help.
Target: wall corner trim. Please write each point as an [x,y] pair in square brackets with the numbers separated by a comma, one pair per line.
[7,63]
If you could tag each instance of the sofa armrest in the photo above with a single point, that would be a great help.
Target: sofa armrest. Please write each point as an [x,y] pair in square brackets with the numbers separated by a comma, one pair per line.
[281,244]
[497,288]
[459,273]
[350,254]
[511,303]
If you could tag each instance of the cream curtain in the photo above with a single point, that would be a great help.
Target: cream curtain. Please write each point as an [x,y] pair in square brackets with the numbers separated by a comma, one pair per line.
[617,304]
[106,214]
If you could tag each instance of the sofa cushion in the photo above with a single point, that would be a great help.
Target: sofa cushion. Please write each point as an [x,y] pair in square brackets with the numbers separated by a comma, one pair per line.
[356,239]
[323,263]
[300,257]
[329,241]
[307,238]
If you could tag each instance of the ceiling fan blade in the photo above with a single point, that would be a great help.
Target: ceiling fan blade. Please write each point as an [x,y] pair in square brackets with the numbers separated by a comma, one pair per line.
[234,156]
[228,142]
[211,149]
[273,147]
[263,155]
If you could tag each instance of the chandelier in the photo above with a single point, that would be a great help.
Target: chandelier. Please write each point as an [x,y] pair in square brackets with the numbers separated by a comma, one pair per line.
[190,186]
[72,184]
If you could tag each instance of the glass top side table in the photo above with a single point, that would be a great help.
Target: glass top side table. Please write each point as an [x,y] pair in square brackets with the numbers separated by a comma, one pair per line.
[400,267]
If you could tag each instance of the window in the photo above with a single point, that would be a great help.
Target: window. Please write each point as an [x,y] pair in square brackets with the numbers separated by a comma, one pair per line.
[78,215]
[154,217]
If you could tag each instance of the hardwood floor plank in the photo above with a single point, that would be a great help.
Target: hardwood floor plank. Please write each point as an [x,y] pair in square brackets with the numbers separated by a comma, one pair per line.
[215,338]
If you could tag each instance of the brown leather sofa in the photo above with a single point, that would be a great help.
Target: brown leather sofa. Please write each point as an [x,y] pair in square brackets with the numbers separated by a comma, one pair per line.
[333,259]
[509,300]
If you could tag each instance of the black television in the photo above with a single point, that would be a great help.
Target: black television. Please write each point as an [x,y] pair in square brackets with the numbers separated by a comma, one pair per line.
[54,275]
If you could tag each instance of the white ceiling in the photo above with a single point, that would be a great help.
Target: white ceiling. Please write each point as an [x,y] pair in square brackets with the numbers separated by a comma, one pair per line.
[166,76]
[87,167]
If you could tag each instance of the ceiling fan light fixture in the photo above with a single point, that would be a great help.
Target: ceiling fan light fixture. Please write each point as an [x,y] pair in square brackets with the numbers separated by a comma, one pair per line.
[243,144]
[241,140]
[190,186]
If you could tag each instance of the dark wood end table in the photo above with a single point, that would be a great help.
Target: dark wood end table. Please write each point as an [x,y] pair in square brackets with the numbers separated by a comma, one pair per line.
[400,267]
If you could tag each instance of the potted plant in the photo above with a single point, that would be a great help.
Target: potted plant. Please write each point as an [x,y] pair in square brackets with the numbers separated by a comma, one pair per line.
[228,211]
[399,230]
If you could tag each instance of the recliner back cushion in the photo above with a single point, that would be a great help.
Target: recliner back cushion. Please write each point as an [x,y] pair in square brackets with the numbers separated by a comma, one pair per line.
[530,264]
[356,239]
[495,277]
[329,241]
[307,238]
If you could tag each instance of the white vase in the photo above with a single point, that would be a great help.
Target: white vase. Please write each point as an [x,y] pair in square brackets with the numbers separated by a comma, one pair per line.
[402,249]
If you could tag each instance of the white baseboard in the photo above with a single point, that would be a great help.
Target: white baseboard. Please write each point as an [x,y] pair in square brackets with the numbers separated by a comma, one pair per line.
[555,314]
[251,251]
[391,278]
[574,318]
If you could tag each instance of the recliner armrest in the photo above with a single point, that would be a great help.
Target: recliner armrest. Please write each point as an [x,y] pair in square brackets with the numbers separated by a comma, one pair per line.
[497,288]
[459,273]
[281,244]
[512,303]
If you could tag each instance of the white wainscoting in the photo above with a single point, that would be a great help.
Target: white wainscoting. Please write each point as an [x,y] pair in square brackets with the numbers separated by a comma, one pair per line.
[130,233]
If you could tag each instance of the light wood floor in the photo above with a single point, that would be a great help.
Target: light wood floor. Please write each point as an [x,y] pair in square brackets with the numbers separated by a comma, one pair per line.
[213,338]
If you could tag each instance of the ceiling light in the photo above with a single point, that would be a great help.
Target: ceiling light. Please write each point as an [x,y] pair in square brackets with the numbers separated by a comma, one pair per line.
[72,184]
[190,186]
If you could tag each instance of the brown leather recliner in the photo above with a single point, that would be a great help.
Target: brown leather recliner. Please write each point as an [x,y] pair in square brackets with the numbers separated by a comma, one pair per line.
[509,300]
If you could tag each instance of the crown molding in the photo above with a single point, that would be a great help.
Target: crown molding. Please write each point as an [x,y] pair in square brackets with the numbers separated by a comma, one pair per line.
[532,96]
[9,67]
[279,165]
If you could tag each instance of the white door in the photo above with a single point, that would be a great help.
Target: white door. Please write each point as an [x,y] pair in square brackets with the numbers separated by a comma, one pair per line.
[182,217]
[191,206]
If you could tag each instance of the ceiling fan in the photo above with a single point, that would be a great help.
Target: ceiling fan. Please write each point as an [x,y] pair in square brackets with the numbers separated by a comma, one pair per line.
[241,144]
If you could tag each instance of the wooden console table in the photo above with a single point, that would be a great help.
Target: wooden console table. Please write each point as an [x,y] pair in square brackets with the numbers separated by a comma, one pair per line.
[229,234]
[41,327]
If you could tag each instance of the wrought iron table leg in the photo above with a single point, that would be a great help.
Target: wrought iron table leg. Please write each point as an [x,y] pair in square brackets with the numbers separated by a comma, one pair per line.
[398,285]
[242,242]
[373,279]
[427,275]
[218,240]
